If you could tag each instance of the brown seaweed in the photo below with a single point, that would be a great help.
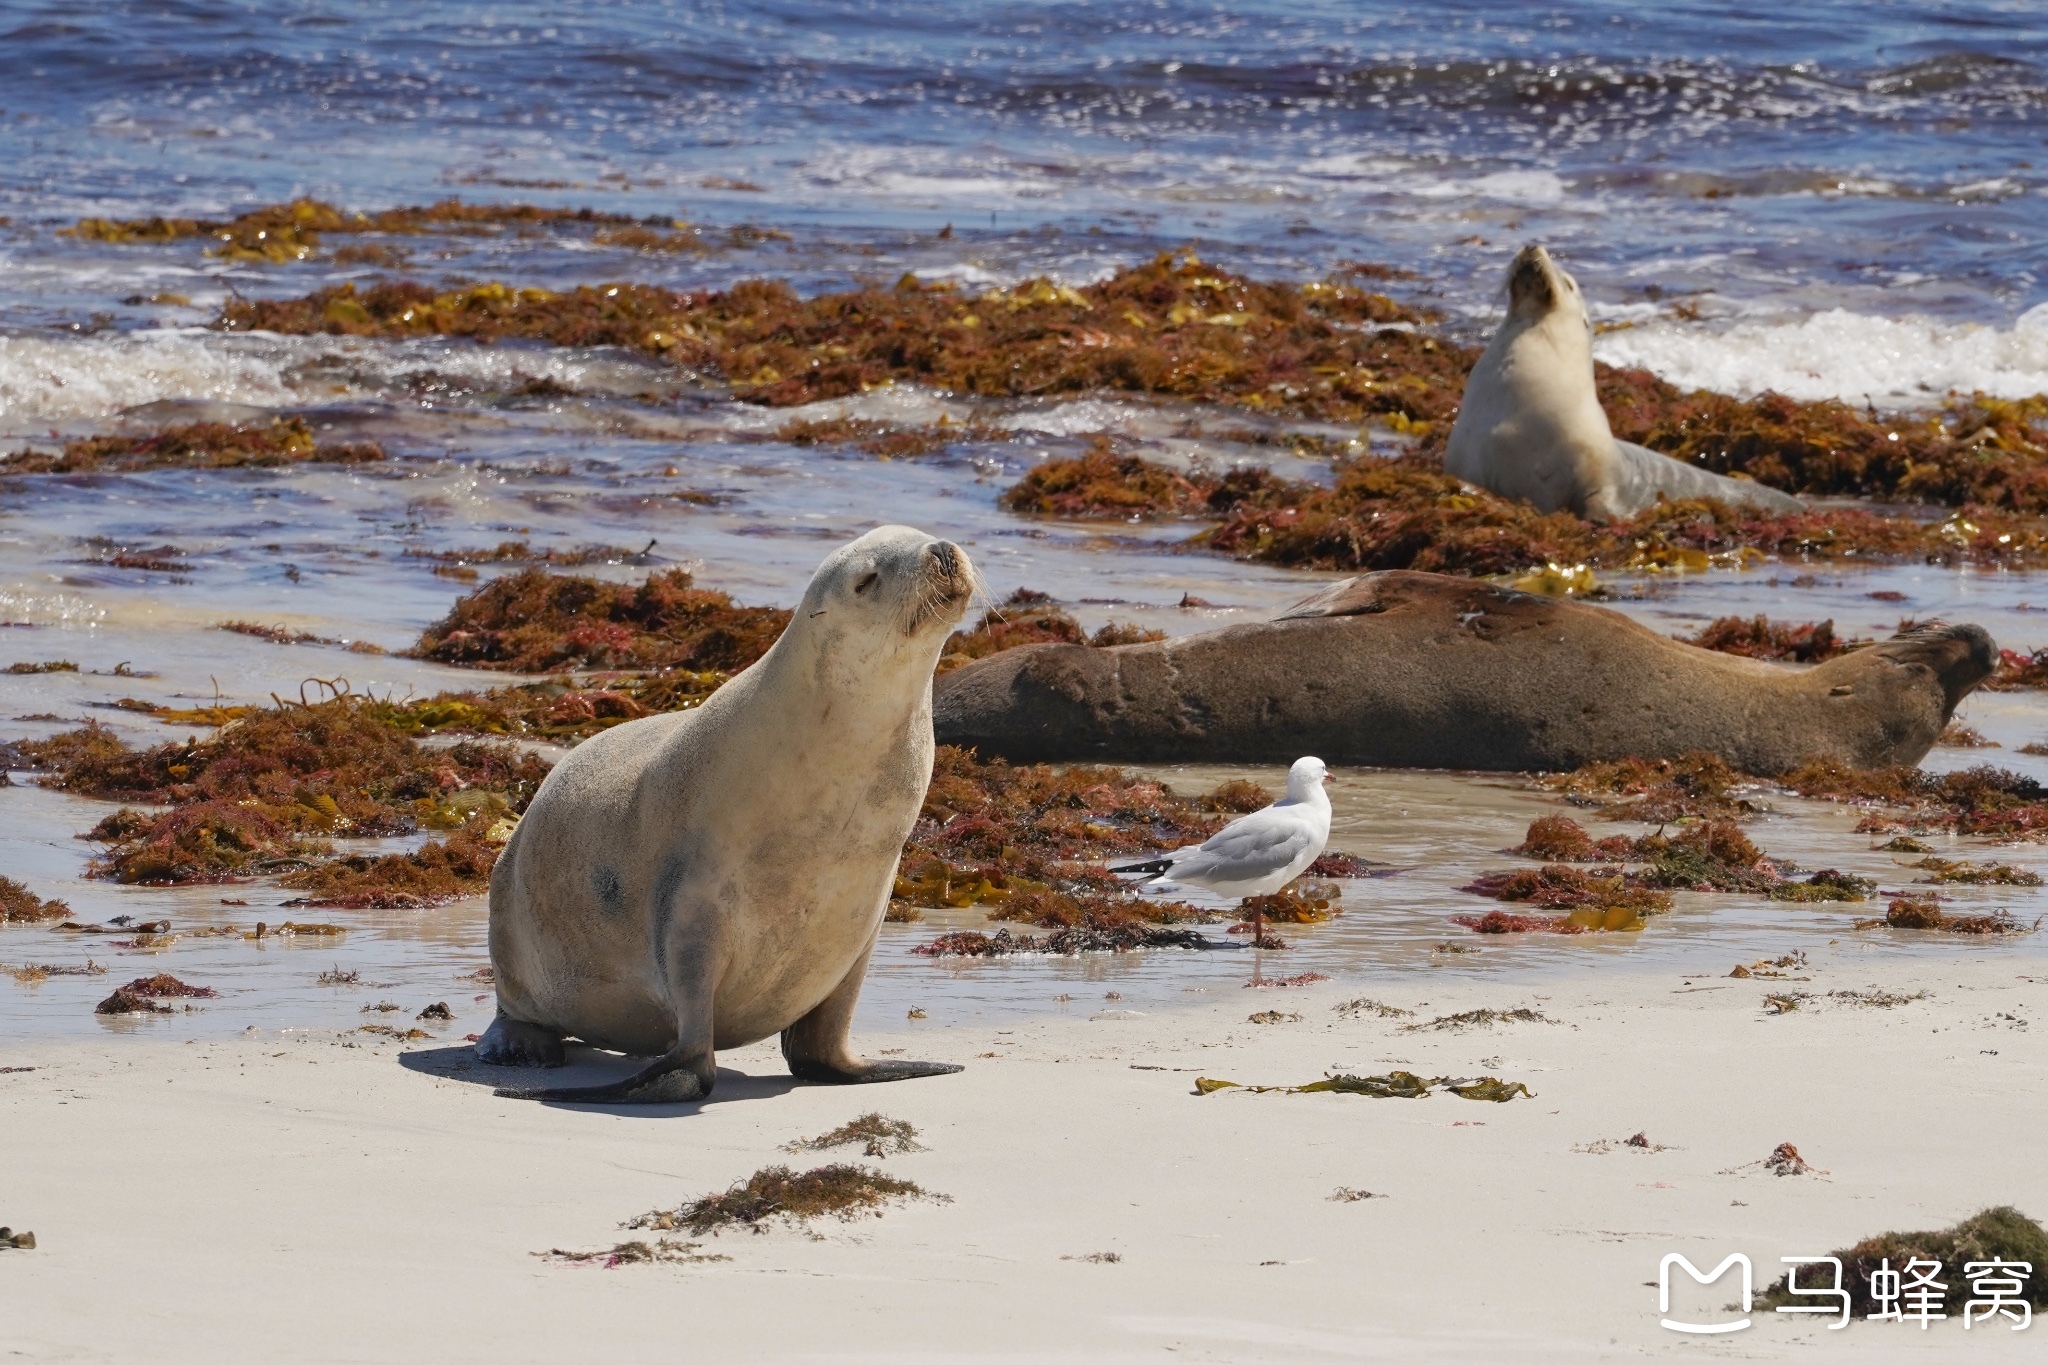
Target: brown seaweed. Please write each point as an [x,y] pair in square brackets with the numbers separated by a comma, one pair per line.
[877,1136]
[1697,785]
[536,622]
[438,871]
[140,995]
[1762,638]
[196,445]
[1924,912]
[662,1251]
[1404,1085]
[1027,617]
[839,1191]
[1117,938]
[19,905]
[266,791]
[1987,801]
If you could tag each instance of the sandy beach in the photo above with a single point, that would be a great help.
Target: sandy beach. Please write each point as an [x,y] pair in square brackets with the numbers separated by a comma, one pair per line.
[318,1196]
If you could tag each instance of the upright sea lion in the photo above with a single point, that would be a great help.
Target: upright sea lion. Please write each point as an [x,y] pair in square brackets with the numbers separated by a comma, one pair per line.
[706,878]
[1414,670]
[1531,425]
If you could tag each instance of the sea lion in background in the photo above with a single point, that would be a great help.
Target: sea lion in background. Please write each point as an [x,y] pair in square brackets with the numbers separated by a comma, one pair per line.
[706,878]
[1414,670]
[1531,425]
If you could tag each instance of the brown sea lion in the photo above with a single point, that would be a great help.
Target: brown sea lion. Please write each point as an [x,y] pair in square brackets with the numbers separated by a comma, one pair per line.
[1417,670]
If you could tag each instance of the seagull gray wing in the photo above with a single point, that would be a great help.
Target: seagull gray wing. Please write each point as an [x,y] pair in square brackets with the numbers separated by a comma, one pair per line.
[1246,848]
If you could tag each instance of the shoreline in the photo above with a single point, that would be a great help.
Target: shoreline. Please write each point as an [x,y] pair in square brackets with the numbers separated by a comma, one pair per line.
[395,1177]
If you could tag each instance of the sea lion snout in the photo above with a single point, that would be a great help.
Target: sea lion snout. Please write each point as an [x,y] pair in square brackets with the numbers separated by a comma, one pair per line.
[1534,283]
[948,581]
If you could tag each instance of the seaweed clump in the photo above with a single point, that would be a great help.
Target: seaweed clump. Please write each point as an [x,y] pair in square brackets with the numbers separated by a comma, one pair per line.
[1484,1018]
[1695,786]
[1711,855]
[1175,326]
[1762,638]
[1996,1234]
[1923,912]
[285,232]
[140,995]
[1825,885]
[1975,874]
[264,793]
[207,841]
[1602,900]
[840,1191]
[1992,802]
[1102,484]
[196,445]
[662,1250]
[1561,839]
[1027,617]
[537,622]
[877,1136]
[1083,938]
[1402,1085]
[1406,512]
[19,905]
[438,871]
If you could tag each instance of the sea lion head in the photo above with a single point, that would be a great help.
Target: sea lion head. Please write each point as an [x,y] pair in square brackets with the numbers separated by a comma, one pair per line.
[1538,287]
[887,599]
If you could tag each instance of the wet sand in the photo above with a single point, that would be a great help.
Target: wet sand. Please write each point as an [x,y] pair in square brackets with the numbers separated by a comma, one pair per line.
[288,1194]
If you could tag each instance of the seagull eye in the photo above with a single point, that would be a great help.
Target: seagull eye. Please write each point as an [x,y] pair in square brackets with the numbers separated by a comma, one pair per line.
[867,582]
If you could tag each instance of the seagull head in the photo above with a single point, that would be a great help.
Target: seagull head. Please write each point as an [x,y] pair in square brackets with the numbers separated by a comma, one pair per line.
[1305,777]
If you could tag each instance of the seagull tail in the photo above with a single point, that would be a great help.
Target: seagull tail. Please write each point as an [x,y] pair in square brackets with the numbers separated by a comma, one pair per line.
[1151,869]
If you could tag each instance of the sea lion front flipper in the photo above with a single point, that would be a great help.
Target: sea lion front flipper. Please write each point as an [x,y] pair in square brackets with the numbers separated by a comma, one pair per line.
[678,1075]
[514,1042]
[817,1045]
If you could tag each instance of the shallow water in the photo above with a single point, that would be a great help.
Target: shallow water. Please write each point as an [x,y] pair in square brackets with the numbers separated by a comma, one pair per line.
[1858,191]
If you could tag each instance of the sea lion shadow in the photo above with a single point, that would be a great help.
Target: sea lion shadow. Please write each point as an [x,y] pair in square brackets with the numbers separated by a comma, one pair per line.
[588,1066]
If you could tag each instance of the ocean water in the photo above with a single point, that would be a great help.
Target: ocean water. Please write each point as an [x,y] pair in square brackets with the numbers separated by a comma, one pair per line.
[1828,200]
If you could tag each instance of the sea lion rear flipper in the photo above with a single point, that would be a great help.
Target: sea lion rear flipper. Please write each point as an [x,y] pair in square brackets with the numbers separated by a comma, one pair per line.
[676,1076]
[1645,473]
[870,1072]
[1349,597]
[817,1046]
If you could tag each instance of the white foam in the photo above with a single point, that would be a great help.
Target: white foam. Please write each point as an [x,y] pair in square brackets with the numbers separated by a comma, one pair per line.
[74,378]
[46,380]
[1084,417]
[1513,187]
[1895,362]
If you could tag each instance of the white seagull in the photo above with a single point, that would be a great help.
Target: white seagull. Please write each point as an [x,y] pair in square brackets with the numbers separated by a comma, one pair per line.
[1256,854]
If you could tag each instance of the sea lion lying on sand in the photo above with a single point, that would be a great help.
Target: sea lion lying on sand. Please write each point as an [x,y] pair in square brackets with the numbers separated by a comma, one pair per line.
[706,878]
[1414,670]
[1531,425]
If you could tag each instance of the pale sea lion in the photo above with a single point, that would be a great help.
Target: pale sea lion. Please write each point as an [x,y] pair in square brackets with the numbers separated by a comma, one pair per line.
[1414,670]
[1531,426]
[706,878]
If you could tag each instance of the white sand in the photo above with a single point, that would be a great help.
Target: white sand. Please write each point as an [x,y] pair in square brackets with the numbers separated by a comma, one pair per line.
[289,1198]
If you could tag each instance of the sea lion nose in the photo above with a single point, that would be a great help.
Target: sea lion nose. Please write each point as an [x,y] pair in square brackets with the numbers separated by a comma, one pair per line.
[947,556]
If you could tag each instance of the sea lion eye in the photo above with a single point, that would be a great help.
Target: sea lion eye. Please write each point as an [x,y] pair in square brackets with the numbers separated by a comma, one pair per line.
[868,582]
